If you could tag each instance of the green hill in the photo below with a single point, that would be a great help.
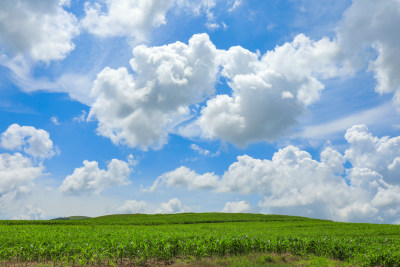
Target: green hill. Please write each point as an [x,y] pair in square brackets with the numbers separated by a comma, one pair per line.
[192,218]
[72,218]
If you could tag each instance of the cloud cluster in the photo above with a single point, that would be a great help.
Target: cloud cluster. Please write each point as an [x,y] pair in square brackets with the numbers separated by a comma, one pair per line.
[90,178]
[42,29]
[381,155]
[134,18]
[141,110]
[292,182]
[268,94]
[35,142]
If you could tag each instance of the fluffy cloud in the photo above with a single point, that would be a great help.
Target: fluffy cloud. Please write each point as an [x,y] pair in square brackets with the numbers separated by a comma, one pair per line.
[236,207]
[35,142]
[90,178]
[174,205]
[133,206]
[17,171]
[134,18]
[186,178]
[142,110]
[292,182]
[360,31]
[269,94]
[381,155]
[42,29]
[16,176]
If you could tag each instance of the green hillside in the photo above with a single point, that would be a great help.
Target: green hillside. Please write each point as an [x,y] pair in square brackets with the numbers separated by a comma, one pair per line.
[72,218]
[192,218]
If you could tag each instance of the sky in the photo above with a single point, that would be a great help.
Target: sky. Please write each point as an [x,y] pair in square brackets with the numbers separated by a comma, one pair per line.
[168,106]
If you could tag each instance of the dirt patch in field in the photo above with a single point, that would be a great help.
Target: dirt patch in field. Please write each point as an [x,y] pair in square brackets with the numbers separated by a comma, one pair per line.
[249,260]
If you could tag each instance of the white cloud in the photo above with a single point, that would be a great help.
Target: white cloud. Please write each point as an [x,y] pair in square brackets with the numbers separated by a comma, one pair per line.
[174,205]
[42,29]
[199,7]
[203,152]
[90,178]
[35,142]
[185,177]
[16,170]
[203,7]
[292,182]
[235,5]
[360,31]
[269,94]
[381,155]
[16,176]
[212,25]
[135,18]
[142,110]
[133,206]
[55,121]
[236,207]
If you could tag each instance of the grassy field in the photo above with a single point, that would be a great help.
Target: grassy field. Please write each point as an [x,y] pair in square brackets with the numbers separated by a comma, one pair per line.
[205,238]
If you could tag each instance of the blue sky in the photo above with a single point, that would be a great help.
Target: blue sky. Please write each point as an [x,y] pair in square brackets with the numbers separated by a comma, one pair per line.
[165,106]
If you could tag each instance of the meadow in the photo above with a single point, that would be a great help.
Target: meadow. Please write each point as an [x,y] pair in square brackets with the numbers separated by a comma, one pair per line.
[151,239]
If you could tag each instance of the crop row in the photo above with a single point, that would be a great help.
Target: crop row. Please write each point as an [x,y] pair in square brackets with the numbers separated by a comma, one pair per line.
[143,247]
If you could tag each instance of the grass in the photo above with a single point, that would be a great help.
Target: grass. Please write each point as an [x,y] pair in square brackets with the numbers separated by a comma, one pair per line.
[204,238]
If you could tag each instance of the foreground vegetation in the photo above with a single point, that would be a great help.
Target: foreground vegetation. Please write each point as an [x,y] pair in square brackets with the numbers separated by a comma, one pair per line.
[152,239]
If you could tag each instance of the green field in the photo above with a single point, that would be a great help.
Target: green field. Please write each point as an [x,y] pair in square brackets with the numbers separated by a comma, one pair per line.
[152,239]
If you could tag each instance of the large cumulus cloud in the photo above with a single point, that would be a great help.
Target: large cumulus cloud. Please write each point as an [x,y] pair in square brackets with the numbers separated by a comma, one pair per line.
[268,94]
[169,83]
[292,182]
[141,110]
